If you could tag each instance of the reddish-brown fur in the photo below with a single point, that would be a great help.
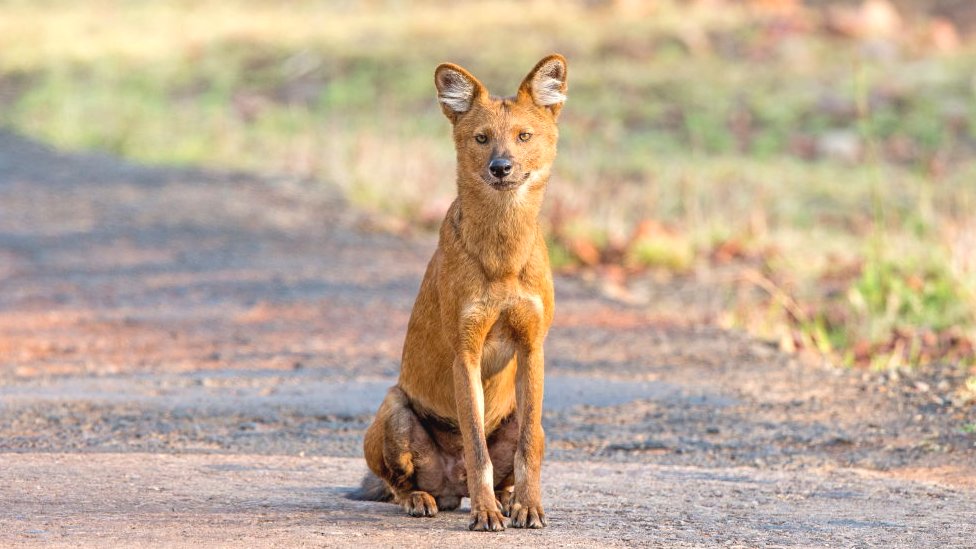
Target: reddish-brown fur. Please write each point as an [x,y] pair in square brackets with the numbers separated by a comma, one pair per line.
[465,418]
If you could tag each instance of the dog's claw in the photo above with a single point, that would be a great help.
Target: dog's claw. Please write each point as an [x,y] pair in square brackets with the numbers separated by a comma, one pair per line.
[420,504]
[503,498]
[528,516]
[487,521]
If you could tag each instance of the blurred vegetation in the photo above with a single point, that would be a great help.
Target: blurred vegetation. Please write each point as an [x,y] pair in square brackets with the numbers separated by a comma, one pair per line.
[825,151]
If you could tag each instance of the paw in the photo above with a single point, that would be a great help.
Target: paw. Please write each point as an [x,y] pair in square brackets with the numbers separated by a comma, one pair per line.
[504,498]
[420,504]
[486,519]
[528,515]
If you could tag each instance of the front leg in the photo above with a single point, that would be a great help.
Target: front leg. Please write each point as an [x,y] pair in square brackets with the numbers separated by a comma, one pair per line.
[526,508]
[470,398]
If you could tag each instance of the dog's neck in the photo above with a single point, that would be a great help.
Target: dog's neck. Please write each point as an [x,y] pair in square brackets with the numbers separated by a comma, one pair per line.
[499,228]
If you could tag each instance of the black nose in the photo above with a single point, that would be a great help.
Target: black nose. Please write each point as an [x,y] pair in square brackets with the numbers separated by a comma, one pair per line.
[500,167]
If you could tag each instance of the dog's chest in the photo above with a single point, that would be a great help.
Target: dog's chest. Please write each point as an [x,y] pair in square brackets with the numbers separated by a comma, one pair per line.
[498,350]
[509,329]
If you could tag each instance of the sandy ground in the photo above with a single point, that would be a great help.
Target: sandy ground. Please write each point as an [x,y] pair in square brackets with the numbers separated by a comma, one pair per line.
[247,500]
[190,359]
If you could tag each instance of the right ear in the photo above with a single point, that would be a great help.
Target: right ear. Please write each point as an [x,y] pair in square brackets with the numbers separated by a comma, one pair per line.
[457,90]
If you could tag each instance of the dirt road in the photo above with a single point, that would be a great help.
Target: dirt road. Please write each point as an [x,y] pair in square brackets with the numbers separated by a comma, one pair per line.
[190,359]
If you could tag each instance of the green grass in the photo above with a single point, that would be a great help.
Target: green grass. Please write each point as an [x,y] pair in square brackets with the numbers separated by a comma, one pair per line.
[710,121]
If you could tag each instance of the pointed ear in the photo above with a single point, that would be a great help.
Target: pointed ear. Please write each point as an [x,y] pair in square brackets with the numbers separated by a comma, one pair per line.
[457,90]
[546,83]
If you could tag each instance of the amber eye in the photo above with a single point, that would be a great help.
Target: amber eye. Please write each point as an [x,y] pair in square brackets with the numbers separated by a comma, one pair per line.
[525,136]
[481,138]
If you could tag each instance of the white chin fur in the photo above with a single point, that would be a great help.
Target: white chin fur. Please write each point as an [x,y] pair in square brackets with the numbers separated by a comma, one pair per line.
[523,190]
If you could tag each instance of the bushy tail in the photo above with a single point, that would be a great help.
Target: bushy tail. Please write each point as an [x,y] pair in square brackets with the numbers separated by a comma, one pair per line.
[372,489]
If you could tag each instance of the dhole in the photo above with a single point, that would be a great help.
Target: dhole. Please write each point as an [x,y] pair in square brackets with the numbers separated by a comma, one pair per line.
[465,418]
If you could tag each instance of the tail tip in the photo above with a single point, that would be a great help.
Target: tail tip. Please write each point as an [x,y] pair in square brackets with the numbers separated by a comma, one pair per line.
[371,489]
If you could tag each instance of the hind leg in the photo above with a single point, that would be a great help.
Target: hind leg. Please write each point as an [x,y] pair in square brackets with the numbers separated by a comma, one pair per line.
[396,447]
[501,448]
[504,494]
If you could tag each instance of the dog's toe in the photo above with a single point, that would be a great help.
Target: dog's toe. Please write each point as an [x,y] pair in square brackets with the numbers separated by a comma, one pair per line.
[487,521]
[420,504]
[527,516]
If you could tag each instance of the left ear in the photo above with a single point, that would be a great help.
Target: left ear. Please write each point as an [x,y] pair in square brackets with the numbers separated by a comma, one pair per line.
[546,83]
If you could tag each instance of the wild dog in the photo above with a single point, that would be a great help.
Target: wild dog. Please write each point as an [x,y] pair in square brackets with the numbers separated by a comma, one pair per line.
[465,418]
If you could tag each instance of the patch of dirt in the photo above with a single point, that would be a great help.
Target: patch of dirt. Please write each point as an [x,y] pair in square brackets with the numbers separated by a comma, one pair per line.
[134,499]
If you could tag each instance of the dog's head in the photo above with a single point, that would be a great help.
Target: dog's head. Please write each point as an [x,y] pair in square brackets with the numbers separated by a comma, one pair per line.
[504,142]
